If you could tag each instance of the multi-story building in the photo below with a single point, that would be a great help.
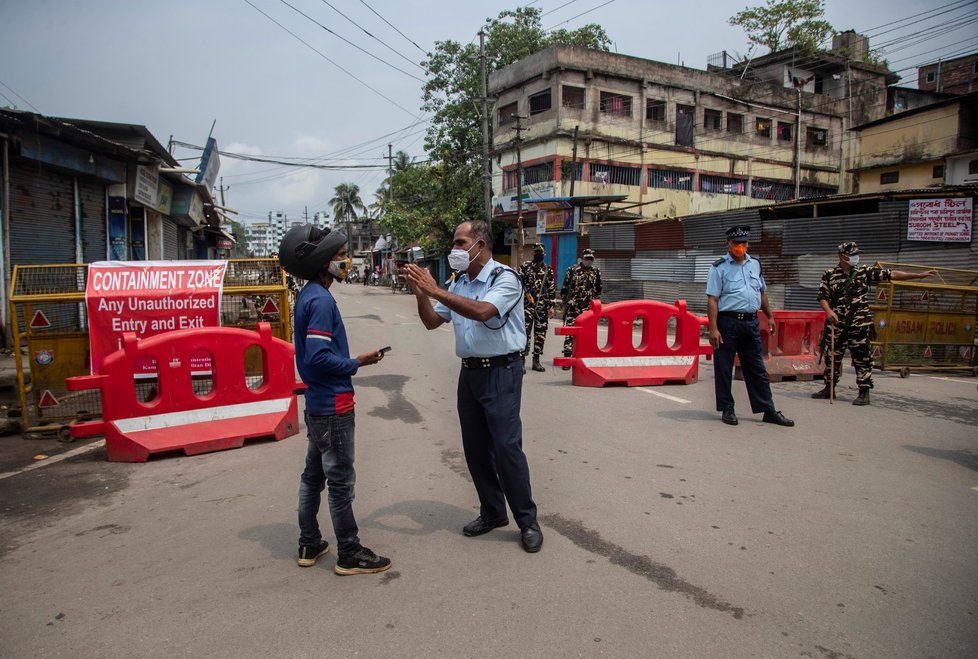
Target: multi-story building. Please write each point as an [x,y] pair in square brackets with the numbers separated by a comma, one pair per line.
[953,76]
[671,141]
[929,146]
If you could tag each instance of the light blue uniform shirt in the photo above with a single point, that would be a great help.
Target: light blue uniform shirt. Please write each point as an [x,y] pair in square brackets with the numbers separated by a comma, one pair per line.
[737,286]
[472,338]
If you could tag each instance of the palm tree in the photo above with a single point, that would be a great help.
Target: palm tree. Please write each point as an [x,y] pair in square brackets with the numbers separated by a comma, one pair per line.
[347,205]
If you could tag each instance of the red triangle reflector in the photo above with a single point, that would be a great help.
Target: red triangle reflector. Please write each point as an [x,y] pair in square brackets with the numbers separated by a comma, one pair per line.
[47,399]
[40,320]
[270,307]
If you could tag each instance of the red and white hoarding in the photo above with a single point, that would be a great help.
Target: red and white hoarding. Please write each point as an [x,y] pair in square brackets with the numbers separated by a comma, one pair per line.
[149,298]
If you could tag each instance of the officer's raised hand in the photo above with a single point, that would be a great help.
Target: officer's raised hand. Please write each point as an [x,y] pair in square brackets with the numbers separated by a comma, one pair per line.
[419,279]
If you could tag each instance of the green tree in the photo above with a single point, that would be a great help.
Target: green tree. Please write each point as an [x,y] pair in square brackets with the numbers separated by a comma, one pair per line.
[783,23]
[454,140]
[346,202]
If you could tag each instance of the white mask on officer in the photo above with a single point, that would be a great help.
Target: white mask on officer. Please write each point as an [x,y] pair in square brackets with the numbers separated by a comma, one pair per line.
[853,259]
[459,259]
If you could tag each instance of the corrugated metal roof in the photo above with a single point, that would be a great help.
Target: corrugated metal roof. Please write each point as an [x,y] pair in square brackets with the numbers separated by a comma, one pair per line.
[797,298]
[619,237]
[702,267]
[708,231]
[666,234]
[811,267]
[879,232]
[663,269]
[616,291]
[614,268]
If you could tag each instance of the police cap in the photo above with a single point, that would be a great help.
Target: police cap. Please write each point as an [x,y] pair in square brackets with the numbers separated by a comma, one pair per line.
[739,233]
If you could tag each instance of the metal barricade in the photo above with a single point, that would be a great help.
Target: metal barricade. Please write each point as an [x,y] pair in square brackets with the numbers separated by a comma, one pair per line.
[48,321]
[928,325]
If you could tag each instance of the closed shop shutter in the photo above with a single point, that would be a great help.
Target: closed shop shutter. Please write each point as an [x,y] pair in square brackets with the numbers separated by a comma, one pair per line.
[170,238]
[42,222]
[92,194]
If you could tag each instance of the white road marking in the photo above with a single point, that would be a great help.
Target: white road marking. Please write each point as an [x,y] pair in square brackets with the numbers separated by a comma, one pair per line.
[400,316]
[57,458]
[674,399]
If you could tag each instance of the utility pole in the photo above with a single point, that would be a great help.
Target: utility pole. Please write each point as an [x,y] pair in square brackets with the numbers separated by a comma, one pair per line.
[390,172]
[222,189]
[305,214]
[798,145]
[487,162]
[519,189]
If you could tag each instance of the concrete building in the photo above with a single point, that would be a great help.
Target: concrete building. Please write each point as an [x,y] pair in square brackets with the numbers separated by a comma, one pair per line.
[673,140]
[953,76]
[929,146]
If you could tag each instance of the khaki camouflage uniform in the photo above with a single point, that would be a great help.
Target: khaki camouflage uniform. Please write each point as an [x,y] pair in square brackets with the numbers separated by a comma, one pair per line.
[538,283]
[855,328]
[581,285]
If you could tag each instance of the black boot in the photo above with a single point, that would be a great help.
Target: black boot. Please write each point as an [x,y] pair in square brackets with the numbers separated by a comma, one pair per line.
[824,392]
[536,364]
[863,397]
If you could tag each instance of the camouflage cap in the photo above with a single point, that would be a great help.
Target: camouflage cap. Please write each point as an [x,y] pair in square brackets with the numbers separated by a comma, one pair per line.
[587,254]
[848,248]
[538,247]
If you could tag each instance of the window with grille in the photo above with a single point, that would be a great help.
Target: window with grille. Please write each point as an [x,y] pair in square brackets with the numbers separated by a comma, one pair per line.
[784,131]
[618,105]
[540,102]
[507,114]
[569,168]
[712,119]
[735,123]
[655,110]
[889,177]
[615,174]
[762,127]
[773,190]
[670,179]
[938,171]
[931,76]
[572,97]
[538,173]
[816,137]
[722,184]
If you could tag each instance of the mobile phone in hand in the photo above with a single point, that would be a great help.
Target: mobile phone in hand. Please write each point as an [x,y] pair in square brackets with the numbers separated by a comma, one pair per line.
[385,349]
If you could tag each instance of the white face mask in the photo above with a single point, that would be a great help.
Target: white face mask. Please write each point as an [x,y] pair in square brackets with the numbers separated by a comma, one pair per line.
[853,259]
[458,259]
[339,269]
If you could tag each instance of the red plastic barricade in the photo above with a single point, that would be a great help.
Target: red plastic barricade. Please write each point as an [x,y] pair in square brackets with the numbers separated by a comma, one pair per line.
[652,361]
[176,418]
[794,353]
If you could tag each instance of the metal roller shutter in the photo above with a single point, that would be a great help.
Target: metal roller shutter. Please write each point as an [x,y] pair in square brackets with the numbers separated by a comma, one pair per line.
[170,238]
[92,194]
[42,225]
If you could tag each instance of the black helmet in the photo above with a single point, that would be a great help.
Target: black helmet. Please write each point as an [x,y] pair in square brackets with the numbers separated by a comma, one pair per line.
[306,249]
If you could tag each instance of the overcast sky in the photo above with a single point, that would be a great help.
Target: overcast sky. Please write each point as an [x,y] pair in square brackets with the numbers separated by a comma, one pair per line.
[176,66]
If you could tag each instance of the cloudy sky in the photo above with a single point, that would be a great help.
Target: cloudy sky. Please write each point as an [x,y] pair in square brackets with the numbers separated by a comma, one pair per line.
[294,90]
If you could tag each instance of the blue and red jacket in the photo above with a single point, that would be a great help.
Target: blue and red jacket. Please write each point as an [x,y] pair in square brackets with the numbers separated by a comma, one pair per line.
[322,352]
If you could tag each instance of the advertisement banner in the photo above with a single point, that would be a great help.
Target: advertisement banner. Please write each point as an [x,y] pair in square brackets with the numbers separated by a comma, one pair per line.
[940,220]
[556,220]
[149,298]
[118,233]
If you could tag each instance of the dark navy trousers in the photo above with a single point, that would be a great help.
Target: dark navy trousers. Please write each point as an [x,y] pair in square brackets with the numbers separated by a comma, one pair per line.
[492,438]
[742,338]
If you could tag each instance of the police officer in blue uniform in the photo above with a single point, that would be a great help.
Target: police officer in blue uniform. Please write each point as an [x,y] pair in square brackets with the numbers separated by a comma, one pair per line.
[485,306]
[735,290]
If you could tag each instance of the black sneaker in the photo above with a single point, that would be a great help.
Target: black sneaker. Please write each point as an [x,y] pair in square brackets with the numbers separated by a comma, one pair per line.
[362,562]
[309,554]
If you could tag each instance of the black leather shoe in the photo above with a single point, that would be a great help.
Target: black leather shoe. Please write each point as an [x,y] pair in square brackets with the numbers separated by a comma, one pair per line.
[729,418]
[778,419]
[531,538]
[478,526]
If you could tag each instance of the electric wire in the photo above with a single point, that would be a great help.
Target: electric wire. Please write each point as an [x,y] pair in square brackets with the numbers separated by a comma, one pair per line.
[579,15]
[14,92]
[414,43]
[310,47]
[382,43]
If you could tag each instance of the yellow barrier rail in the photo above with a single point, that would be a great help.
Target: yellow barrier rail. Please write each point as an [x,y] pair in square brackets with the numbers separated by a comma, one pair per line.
[49,322]
[930,326]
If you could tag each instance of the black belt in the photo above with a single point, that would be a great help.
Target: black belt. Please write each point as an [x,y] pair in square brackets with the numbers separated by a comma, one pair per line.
[739,315]
[488,362]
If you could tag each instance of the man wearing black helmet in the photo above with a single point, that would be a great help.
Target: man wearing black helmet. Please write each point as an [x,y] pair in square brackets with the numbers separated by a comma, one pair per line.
[844,296]
[322,355]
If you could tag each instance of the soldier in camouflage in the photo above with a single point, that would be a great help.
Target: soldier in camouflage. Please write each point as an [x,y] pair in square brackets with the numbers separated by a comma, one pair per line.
[582,283]
[844,295]
[540,297]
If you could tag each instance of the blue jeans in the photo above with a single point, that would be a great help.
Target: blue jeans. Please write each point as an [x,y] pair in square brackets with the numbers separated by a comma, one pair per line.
[329,460]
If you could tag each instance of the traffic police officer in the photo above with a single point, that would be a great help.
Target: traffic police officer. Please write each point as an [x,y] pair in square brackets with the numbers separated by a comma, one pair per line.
[485,307]
[540,297]
[735,290]
[844,295]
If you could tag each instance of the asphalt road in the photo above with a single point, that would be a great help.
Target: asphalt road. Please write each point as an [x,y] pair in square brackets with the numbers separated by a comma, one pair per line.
[667,533]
